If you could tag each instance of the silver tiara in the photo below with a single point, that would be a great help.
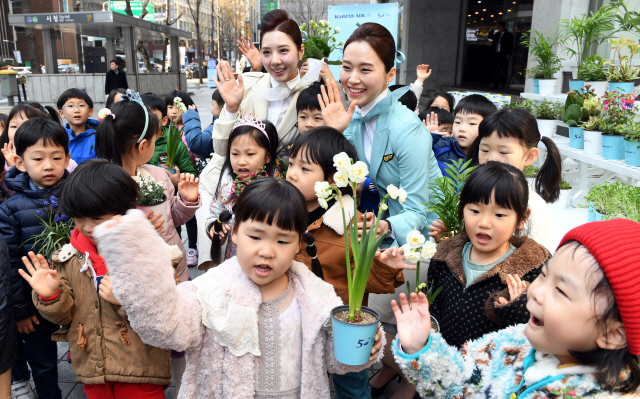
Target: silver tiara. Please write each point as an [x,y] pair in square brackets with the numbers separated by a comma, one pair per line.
[133,96]
[248,120]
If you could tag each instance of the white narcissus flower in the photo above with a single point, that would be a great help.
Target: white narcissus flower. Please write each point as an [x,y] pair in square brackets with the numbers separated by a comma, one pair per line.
[341,178]
[323,203]
[402,196]
[177,100]
[342,162]
[415,239]
[322,189]
[393,191]
[384,207]
[411,256]
[428,250]
[358,172]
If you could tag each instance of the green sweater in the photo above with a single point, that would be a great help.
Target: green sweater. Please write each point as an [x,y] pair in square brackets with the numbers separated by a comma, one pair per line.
[183,159]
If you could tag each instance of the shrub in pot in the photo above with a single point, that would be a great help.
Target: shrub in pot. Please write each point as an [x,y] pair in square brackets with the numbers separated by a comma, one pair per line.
[544,51]
[622,75]
[573,115]
[547,113]
[592,71]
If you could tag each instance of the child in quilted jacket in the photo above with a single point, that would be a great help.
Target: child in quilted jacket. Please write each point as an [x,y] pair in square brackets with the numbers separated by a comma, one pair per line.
[253,327]
[581,341]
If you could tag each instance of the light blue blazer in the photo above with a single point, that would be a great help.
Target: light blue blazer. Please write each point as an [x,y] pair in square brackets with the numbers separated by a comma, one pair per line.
[401,155]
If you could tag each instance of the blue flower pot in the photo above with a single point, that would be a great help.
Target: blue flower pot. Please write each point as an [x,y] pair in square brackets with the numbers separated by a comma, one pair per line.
[576,137]
[170,170]
[576,84]
[631,153]
[621,87]
[536,86]
[592,213]
[612,147]
[599,217]
[352,343]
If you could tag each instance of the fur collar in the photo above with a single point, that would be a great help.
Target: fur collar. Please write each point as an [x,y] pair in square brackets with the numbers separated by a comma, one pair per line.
[230,302]
[333,216]
[528,256]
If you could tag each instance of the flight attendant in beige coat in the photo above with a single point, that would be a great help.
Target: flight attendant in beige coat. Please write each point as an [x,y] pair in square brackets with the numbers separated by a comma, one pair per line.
[271,96]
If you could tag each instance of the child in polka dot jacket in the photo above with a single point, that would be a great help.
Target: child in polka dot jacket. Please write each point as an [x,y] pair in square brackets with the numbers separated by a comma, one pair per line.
[475,267]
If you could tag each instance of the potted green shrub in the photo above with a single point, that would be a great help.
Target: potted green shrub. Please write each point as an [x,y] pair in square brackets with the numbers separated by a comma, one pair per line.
[573,115]
[632,144]
[617,111]
[543,49]
[622,75]
[547,113]
[535,74]
[592,71]
[563,199]
[583,32]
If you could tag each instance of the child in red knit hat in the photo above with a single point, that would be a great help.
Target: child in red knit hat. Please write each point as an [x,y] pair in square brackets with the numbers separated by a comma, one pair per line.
[582,340]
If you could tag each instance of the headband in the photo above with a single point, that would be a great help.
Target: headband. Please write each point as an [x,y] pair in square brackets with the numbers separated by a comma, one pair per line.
[248,120]
[133,96]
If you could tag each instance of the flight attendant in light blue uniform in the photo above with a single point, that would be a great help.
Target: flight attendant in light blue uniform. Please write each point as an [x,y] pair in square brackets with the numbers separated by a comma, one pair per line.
[396,147]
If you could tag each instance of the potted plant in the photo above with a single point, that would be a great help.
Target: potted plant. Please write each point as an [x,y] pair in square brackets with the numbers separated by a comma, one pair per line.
[622,75]
[563,199]
[617,110]
[173,136]
[56,230]
[573,115]
[544,51]
[605,198]
[632,144]
[587,31]
[535,74]
[320,43]
[151,197]
[531,172]
[592,133]
[547,113]
[592,71]
[354,325]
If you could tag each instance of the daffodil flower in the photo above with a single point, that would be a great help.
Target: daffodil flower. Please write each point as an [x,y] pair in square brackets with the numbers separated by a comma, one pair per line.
[341,179]
[342,162]
[393,191]
[358,172]
[322,189]
[415,239]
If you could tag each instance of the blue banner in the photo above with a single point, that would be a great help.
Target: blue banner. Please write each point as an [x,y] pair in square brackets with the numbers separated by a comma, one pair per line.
[211,72]
[348,18]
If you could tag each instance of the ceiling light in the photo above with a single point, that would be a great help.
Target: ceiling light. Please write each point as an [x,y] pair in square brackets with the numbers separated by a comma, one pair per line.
[476,12]
[508,10]
[469,15]
[491,15]
[481,19]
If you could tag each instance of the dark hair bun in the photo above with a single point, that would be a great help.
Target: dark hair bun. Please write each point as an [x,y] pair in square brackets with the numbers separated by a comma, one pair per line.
[279,20]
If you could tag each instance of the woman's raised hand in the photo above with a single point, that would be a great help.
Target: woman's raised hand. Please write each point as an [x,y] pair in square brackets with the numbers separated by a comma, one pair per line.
[414,322]
[246,47]
[43,280]
[333,111]
[231,91]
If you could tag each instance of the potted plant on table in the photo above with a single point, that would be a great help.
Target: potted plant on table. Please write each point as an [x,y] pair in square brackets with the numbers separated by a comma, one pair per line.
[592,71]
[354,325]
[547,113]
[632,143]
[151,197]
[586,31]
[574,115]
[617,111]
[544,51]
[622,75]
[320,43]
[535,74]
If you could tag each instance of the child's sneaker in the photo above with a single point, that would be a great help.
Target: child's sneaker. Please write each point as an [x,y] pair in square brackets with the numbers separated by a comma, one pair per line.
[22,390]
[192,257]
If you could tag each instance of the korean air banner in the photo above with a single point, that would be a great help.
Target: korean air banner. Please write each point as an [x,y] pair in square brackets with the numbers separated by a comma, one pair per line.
[348,18]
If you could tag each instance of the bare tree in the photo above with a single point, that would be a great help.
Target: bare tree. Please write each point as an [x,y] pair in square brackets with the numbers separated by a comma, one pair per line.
[141,45]
[32,48]
[194,10]
[169,22]
[303,11]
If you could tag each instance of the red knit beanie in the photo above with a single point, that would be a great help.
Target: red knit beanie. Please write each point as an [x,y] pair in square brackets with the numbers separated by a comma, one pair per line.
[614,245]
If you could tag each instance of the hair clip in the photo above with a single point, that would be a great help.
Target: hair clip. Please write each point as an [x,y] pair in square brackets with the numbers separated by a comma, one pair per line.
[248,120]
[133,96]
[104,112]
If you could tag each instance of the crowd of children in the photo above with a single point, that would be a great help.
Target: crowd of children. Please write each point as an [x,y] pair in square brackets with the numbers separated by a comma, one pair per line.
[513,319]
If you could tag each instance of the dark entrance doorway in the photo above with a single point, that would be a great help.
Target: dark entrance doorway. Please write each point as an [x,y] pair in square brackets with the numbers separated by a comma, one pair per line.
[478,53]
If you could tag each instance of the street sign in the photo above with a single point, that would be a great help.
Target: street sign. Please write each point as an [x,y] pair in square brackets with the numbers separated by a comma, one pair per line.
[136,9]
[211,72]
[272,5]
[59,18]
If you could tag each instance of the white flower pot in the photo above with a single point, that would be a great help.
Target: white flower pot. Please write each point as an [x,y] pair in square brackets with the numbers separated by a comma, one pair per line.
[600,87]
[158,208]
[313,61]
[547,127]
[562,201]
[547,86]
[593,142]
